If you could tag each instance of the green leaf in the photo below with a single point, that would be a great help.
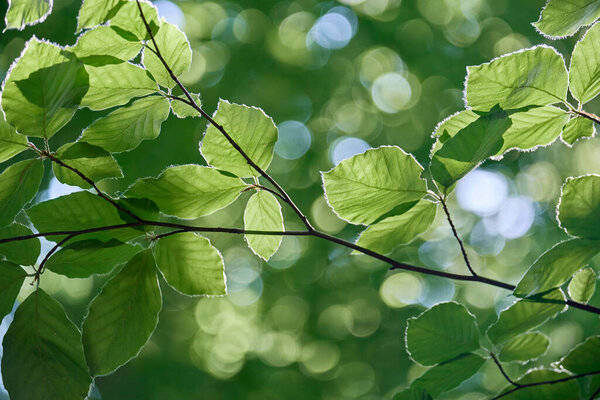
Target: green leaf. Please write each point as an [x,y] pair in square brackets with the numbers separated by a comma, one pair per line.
[441,333]
[26,12]
[128,18]
[383,236]
[11,280]
[250,128]
[525,315]
[561,18]
[362,188]
[525,347]
[175,50]
[556,266]
[183,110]
[105,41]
[189,191]
[584,357]
[191,264]
[449,374]
[22,252]
[77,211]
[92,161]
[95,12]
[44,89]
[579,206]
[123,316]
[43,358]
[473,144]
[535,76]
[583,285]
[19,183]
[11,143]
[263,213]
[584,72]
[568,390]
[88,257]
[143,208]
[115,84]
[578,128]
[413,393]
[125,128]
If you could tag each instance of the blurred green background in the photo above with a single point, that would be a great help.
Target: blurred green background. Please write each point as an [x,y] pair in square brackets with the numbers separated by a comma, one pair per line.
[337,77]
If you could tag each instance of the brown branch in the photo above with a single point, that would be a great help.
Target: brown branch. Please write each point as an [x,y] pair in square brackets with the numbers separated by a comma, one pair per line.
[455,233]
[552,382]
[502,371]
[587,115]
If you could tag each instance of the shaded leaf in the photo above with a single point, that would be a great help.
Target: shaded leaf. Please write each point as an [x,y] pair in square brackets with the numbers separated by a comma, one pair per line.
[21,13]
[175,50]
[579,206]
[105,41]
[19,183]
[584,357]
[94,162]
[263,213]
[95,12]
[11,143]
[22,252]
[449,374]
[183,110]
[578,128]
[583,285]
[413,393]
[568,390]
[525,347]
[11,280]
[561,18]
[584,72]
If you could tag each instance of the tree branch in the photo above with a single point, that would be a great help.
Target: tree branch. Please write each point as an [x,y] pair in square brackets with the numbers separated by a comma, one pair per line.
[455,233]
[552,382]
[502,371]
[590,116]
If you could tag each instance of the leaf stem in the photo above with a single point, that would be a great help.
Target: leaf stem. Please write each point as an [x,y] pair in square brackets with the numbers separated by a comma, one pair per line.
[458,239]
[552,382]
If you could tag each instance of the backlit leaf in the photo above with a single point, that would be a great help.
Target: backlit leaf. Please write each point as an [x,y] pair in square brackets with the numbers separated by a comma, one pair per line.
[11,143]
[127,17]
[584,357]
[568,390]
[579,206]
[583,285]
[584,73]
[19,183]
[95,12]
[449,374]
[105,41]
[94,162]
[263,213]
[11,280]
[561,18]
[525,347]
[183,110]
[577,128]
[22,252]
[21,13]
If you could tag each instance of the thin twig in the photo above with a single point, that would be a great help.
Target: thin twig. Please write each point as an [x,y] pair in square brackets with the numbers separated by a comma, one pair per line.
[595,394]
[502,371]
[590,116]
[455,233]
[552,382]
[53,250]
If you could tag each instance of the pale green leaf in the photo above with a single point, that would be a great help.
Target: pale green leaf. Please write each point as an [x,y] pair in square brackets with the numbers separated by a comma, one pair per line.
[250,128]
[85,258]
[362,188]
[525,347]
[584,72]
[556,266]
[123,316]
[535,76]
[105,41]
[449,374]
[189,191]
[125,128]
[183,110]
[175,50]
[115,84]
[11,143]
[95,12]
[94,162]
[578,128]
[191,264]
[413,393]
[22,252]
[44,89]
[584,357]
[263,213]
[525,315]
[19,183]
[21,13]
[43,358]
[128,18]
[11,280]
[383,236]
[568,390]
[441,333]
[583,285]
[560,18]
[579,206]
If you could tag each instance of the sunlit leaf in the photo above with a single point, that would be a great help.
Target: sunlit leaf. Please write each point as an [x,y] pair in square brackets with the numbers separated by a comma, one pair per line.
[21,13]
[263,213]
[583,285]
[22,252]
[95,12]
[579,207]
[584,357]
[568,390]
[183,110]
[577,128]
[11,280]
[561,18]
[105,41]
[18,184]
[584,72]
[127,17]
[11,143]
[449,374]
[525,347]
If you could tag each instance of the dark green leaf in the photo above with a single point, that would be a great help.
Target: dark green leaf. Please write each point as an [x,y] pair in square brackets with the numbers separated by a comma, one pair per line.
[449,374]
[18,185]
[263,213]
[22,252]
[525,347]
[579,206]
[584,357]
[578,128]
[414,393]
[561,18]
[559,391]
[583,284]
[11,280]
[26,12]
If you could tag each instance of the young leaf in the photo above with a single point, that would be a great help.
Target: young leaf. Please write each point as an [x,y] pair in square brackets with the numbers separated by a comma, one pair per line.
[125,128]
[95,12]
[115,84]
[577,128]
[383,236]
[183,110]
[449,374]
[11,143]
[413,393]
[191,264]
[43,358]
[128,18]
[556,266]
[584,72]
[525,347]
[18,185]
[22,252]
[584,357]
[535,76]
[87,257]
[77,211]
[105,41]
[362,188]
[189,191]
[92,161]
[525,315]
[44,89]
[582,285]
[250,128]
[123,316]
[568,390]
[176,51]
[263,213]
[21,13]
[11,280]
[561,18]
[441,333]
[579,206]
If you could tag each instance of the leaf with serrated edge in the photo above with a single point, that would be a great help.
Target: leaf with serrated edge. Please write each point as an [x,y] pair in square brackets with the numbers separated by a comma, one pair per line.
[22,252]
[43,358]
[19,183]
[94,162]
[582,285]
[105,41]
[21,13]
[578,210]
[584,357]
[11,143]
[95,12]
[263,213]
[448,375]
[525,347]
[128,18]
[11,280]
[568,390]
[123,316]
[584,72]
[362,188]
[577,128]
[183,110]
[189,191]
[191,265]
[560,18]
